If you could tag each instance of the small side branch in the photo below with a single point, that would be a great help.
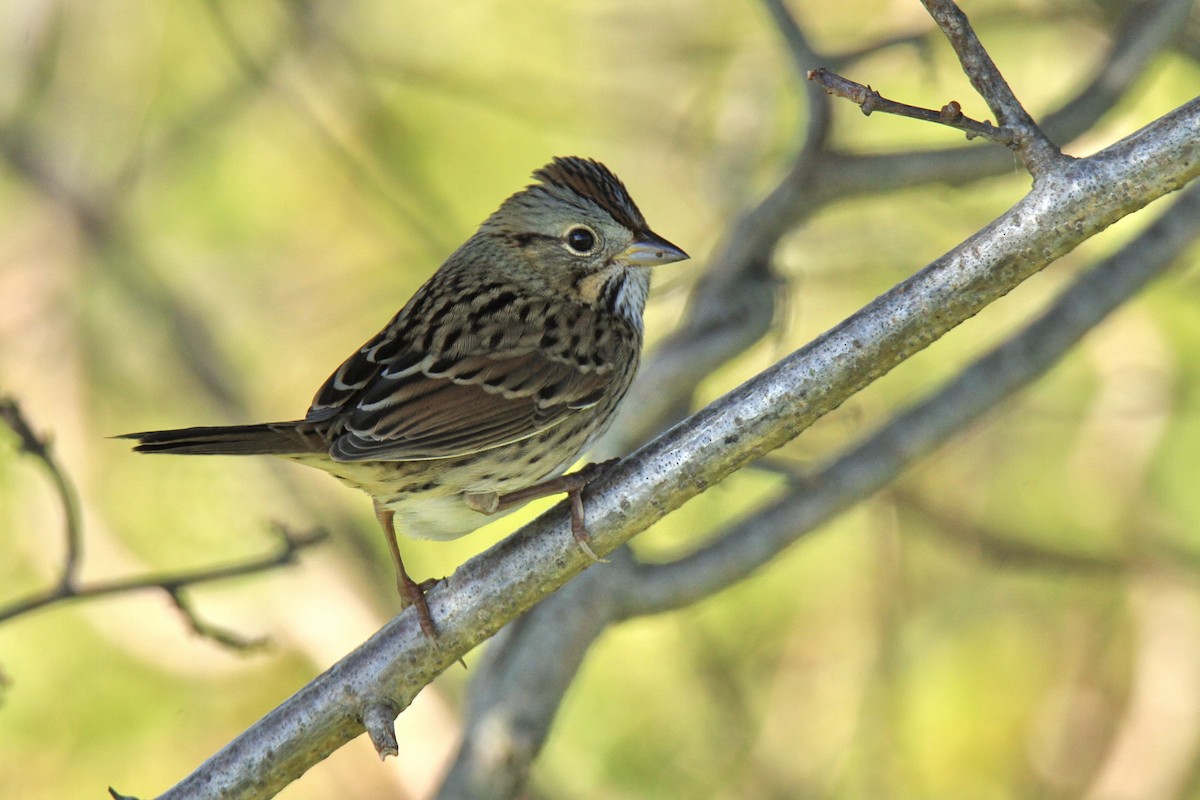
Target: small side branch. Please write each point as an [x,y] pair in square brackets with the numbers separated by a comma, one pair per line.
[175,584]
[871,101]
[379,721]
[39,447]
[1014,128]
[68,588]
[1036,151]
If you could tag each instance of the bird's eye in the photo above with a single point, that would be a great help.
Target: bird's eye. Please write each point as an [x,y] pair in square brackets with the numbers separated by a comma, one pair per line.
[581,240]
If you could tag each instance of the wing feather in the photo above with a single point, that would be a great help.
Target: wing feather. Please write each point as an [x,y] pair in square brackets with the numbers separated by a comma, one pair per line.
[392,402]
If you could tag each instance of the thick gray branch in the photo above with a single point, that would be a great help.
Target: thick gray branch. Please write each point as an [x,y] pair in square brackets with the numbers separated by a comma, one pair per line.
[918,430]
[517,689]
[1070,204]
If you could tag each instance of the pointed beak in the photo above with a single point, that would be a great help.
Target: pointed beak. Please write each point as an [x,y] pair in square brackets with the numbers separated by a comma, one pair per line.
[649,250]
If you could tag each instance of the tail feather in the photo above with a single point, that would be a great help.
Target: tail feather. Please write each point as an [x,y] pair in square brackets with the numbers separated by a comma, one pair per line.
[271,438]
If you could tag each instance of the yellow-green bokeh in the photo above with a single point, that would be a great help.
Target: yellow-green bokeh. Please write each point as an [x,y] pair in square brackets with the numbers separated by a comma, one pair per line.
[273,180]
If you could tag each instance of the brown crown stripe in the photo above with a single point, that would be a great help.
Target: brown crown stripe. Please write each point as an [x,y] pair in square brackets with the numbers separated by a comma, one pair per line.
[591,179]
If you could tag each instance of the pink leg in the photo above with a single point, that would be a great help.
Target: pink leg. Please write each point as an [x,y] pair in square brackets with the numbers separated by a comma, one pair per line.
[573,485]
[411,591]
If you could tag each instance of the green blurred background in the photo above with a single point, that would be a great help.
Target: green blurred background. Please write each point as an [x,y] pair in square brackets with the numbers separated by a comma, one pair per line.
[205,206]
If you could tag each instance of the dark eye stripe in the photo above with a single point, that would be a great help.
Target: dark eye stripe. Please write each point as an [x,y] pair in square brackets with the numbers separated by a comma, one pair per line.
[525,239]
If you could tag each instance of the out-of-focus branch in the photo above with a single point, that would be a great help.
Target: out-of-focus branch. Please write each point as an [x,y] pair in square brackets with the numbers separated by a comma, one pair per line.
[915,432]
[414,211]
[508,715]
[68,588]
[1003,549]
[98,221]
[494,588]
[732,305]
[39,447]
[803,54]
[511,705]
[1144,33]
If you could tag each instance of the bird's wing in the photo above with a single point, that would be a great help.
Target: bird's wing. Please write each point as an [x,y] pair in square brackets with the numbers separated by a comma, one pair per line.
[396,401]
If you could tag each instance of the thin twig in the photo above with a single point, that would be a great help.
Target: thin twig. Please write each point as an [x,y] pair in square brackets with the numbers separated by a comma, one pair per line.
[290,544]
[39,447]
[1036,151]
[1143,35]
[68,587]
[871,101]
[208,630]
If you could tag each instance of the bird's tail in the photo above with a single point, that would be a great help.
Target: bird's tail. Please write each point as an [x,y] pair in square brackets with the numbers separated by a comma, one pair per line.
[270,438]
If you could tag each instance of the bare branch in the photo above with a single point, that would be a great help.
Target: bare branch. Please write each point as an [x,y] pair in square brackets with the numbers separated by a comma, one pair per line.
[68,587]
[208,630]
[1036,151]
[1016,129]
[39,447]
[732,306]
[1005,550]
[517,689]
[913,433]
[379,721]
[1143,35]
[172,583]
[870,101]
[495,587]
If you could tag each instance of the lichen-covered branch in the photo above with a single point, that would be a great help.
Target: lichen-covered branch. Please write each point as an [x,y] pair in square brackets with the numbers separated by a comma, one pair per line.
[1068,206]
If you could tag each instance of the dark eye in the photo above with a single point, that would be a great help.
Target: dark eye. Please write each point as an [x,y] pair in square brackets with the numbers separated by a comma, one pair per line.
[581,240]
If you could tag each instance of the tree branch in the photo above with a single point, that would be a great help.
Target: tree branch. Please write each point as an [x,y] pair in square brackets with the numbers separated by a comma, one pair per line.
[39,447]
[516,689]
[1143,35]
[1069,205]
[69,589]
[1036,151]
[925,426]
[871,101]
[514,692]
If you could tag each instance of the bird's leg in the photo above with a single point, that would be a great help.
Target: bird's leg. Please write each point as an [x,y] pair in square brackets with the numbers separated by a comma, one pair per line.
[410,590]
[572,484]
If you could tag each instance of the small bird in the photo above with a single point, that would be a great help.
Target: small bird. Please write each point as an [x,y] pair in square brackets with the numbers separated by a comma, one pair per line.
[503,368]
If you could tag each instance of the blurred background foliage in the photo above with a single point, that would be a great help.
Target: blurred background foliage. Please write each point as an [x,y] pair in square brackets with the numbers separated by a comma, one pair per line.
[205,206]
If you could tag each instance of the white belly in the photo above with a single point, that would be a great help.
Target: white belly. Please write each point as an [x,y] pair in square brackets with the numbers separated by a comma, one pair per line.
[439,518]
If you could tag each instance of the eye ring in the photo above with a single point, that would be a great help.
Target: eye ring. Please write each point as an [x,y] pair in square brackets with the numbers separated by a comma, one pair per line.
[580,240]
